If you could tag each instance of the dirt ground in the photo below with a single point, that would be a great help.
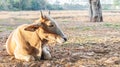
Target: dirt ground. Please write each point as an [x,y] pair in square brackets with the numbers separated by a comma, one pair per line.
[90,44]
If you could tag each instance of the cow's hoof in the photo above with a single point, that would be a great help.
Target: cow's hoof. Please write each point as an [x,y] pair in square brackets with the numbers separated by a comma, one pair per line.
[47,56]
[29,58]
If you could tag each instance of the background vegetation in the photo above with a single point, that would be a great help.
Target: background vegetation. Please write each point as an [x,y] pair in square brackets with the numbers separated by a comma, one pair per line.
[16,5]
[26,5]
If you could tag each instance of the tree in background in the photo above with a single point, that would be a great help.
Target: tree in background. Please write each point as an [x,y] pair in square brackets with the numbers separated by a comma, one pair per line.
[20,4]
[4,4]
[38,4]
[23,4]
[95,11]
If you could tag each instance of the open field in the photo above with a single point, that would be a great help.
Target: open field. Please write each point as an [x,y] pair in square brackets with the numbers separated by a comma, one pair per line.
[90,44]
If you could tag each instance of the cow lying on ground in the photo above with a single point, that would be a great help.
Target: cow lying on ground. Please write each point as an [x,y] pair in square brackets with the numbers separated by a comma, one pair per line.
[29,41]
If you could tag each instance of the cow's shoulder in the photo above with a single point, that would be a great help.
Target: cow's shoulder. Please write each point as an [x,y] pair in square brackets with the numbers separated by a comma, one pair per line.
[19,30]
[21,27]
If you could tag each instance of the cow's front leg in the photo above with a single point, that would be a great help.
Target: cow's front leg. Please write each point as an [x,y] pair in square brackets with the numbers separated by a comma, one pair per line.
[22,55]
[38,51]
[46,52]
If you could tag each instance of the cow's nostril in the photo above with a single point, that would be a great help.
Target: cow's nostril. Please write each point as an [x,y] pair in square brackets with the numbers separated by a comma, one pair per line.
[65,39]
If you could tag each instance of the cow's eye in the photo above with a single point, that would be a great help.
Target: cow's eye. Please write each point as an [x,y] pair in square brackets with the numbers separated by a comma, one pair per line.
[51,25]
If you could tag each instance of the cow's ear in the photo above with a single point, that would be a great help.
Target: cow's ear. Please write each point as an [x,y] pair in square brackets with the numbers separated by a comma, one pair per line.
[49,12]
[42,15]
[32,27]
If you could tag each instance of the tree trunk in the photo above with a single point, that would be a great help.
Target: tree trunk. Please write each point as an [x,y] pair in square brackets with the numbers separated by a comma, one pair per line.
[95,11]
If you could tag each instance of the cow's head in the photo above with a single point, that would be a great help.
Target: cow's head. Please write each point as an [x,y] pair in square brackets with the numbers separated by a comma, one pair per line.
[47,29]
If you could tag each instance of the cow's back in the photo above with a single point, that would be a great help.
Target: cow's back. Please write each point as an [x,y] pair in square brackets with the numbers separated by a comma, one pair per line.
[28,36]
[10,44]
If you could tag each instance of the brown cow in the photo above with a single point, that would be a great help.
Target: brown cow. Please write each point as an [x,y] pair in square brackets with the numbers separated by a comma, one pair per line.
[29,41]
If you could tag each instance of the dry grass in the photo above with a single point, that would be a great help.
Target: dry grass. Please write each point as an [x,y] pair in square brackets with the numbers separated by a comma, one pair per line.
[109,16]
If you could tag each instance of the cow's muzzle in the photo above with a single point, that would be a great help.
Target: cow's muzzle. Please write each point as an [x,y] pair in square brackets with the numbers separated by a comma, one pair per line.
[61,39]
[65,39]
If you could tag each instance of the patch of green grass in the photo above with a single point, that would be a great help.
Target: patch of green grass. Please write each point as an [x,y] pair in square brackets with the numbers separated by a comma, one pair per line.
[110,25]
[83,28]
[1,31]
[87,28]
[9,28]
[0,26]
[74,28]
[66,43]
[4,20]
[107,25]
